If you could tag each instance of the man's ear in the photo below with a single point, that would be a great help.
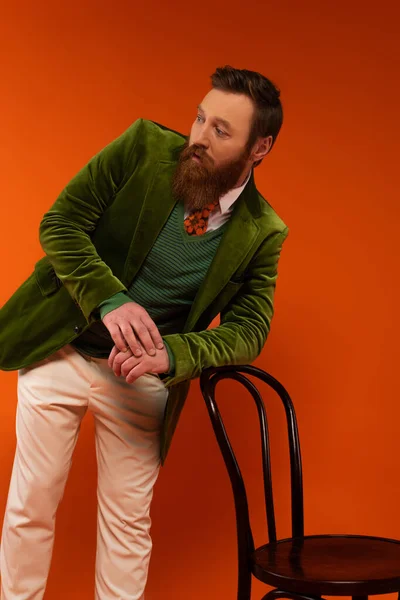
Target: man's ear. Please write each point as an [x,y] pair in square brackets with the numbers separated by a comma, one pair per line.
[261,148]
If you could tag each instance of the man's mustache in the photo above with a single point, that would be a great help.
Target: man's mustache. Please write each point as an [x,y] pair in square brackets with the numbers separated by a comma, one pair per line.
[200,152]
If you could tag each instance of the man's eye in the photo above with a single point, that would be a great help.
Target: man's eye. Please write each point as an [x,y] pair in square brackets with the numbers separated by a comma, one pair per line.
[199,118]
[219,131]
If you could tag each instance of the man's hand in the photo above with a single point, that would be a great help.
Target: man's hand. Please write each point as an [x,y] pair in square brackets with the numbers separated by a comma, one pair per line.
[131,327]
[132,367]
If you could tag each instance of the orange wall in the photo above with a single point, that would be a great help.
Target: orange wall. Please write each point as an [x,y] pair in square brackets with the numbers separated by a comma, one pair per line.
[75,76]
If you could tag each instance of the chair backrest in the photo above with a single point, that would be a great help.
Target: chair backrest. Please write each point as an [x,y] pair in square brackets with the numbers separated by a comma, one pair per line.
[208,382]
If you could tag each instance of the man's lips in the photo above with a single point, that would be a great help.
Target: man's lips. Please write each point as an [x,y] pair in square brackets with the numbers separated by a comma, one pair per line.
[199,156]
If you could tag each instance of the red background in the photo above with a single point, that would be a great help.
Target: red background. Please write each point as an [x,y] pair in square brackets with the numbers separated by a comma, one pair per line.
[74,76]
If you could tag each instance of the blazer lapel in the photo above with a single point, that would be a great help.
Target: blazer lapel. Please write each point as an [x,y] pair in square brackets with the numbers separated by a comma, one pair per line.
[157,207]
[235,244]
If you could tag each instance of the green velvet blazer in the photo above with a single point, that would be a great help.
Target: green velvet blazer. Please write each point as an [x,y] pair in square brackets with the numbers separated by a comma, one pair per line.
[95,238]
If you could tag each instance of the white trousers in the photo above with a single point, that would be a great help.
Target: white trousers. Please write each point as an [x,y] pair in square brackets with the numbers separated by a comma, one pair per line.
[53,397]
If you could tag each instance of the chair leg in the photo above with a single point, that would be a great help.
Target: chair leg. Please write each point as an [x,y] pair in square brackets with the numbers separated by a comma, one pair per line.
[276,594]
[244,583]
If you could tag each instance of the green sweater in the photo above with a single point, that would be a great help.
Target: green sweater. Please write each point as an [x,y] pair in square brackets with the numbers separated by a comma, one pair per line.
[165,286]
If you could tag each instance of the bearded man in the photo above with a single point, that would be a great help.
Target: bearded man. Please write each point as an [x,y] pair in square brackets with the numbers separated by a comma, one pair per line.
[156,236]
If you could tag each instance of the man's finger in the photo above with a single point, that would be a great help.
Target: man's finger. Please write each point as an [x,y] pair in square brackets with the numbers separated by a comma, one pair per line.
[145,338]
[130,337]
[136,372]
[119,360]
[117,337]
[112,356]
[153,331]
[128,365]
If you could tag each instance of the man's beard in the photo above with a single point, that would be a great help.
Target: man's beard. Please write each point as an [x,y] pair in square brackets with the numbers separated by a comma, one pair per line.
[200,183]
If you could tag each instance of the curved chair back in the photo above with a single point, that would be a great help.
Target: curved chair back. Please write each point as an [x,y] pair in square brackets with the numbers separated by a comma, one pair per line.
[208,383]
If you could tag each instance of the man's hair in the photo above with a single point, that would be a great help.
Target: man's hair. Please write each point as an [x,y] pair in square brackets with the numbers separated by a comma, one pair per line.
[268,113]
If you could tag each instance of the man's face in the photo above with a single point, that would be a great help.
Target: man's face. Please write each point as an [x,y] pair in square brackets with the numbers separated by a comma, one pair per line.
[216,158]
[222,126]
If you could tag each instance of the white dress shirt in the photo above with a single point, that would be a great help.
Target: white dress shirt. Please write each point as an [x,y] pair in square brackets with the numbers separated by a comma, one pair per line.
[222,213]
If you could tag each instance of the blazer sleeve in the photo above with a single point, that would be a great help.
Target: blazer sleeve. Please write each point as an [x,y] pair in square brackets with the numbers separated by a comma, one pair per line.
[65,230]
[245,321]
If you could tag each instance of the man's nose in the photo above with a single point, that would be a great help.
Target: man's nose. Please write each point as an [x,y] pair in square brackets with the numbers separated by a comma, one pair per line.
[202,139]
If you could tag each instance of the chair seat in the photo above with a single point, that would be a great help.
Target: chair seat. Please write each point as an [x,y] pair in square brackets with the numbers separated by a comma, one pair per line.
[336,565]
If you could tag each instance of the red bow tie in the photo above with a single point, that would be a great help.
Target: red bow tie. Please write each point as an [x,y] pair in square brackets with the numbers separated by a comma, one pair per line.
[196,222]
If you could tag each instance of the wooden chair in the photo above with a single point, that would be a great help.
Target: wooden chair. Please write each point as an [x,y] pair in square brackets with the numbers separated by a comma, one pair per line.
[303,567]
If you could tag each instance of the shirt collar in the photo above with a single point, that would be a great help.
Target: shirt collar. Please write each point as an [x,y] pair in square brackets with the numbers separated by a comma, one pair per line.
[227,200]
